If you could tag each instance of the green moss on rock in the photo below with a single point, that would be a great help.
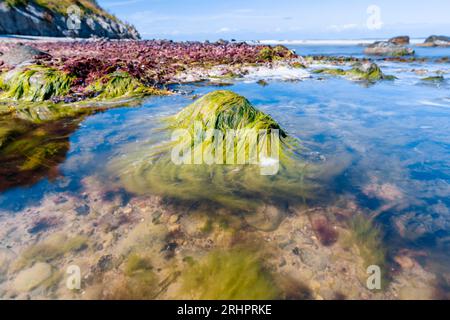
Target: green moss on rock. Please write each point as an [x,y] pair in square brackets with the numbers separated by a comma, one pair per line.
[274,53]
[333,72]
[223,110]
[35,83]
[120,84]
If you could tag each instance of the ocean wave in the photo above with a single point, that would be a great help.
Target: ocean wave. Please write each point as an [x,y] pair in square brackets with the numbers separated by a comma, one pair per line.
[349,42]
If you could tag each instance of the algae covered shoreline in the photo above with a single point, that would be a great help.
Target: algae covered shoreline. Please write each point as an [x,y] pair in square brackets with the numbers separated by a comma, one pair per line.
[142,228]
[64,81]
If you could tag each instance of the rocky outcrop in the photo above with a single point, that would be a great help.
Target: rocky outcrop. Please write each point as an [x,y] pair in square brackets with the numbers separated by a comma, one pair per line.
[19,54]
[387,48]
[58,20]
[360,71]
[400,40]
[437,41]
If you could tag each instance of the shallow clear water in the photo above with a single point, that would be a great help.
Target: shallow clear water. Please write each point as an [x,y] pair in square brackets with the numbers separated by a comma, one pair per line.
[386,146]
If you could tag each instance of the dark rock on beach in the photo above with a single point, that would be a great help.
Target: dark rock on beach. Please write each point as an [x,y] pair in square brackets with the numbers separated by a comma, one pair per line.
[20,53]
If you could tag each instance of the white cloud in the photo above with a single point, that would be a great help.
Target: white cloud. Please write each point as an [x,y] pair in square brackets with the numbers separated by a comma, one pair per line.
[224,30]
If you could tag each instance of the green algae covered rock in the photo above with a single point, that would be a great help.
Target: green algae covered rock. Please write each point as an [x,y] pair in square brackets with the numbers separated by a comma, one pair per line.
[434,79]
[35,83]
[241,186]
[360,71]
[38,83]
[333,72]
[223,110]
[275,53]
[229,275]
[121,84]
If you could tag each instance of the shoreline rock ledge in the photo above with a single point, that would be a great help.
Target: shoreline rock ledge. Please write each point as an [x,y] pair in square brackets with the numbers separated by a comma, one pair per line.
[52,19]
[437,41]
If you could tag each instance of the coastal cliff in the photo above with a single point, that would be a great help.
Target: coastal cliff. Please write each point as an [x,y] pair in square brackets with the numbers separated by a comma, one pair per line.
[67,18]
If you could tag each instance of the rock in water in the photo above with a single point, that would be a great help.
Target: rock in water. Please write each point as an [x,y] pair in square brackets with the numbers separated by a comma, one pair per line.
[386,48]
[400,40]
[266,218]
[31,278]
[437,41]
[20,53]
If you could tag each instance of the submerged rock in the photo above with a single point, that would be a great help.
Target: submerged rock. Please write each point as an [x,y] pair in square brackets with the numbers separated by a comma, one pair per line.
[386,48]
[266,218]
[31,278]
[367,71]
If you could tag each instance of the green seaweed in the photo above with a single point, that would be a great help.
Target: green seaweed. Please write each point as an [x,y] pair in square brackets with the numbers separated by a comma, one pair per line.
[403,52]
[274,53]
[121,84]
[239,187]
[298,65]
[334,72]
[136,264]
[223,110]
[141,283]
[35,83]
[369,241]
[434,79]
[237,274]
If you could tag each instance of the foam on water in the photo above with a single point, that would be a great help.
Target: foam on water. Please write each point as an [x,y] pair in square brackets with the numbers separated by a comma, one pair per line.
[283,73]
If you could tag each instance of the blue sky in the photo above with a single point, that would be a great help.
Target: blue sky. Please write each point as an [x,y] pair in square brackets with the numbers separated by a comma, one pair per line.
[282,19]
